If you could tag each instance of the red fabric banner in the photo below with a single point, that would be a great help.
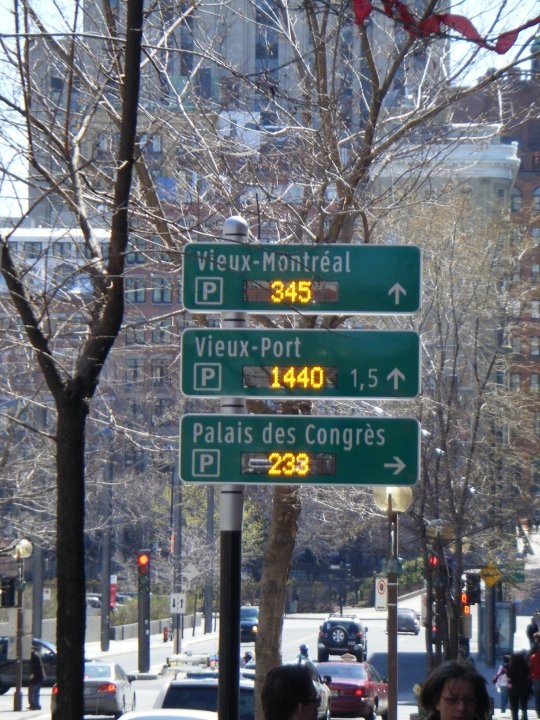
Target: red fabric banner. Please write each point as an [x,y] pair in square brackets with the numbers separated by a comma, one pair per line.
[435,24]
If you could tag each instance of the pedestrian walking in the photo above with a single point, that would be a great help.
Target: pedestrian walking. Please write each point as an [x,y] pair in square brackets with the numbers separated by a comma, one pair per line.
[531,629]
[37,676]
[501,682]
[289,694]
[520,687]
[455,690]
[534,673]
[303,655]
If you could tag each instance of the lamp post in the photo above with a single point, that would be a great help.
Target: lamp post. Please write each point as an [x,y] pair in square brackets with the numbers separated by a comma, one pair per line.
[392,500]
[21,550]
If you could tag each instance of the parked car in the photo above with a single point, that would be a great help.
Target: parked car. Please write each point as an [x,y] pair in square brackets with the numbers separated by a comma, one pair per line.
[45,650]
[202,694]
[249,623]
[407,621]
[178,714]
[108,690]
[323,691]
[356,689]
[342,634]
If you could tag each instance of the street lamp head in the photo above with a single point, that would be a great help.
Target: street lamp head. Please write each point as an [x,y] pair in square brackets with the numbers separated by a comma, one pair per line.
[22,549]
[399,498]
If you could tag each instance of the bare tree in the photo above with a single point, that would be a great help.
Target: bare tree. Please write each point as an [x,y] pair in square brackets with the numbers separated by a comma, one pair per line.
[73,384]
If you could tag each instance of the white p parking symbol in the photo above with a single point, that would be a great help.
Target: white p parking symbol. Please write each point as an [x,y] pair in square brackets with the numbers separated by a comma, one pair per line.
[207,376]
[206,463]
[209,291]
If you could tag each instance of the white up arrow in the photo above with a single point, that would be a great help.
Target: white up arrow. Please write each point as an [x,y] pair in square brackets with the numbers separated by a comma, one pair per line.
[397,290]
[396,375]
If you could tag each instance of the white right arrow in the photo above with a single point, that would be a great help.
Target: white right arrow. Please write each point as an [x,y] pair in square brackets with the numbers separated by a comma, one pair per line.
[398,465]
[397,290]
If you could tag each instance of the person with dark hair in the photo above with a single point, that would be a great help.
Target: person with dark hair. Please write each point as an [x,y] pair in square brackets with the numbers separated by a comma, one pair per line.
[501,682]
[530,630]
[534,673]
[520,686]
[289,694]
[37,676]
[455,690]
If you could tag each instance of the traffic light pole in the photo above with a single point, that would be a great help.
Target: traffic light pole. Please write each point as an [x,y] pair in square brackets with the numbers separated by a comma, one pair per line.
[231,511]
[143,566]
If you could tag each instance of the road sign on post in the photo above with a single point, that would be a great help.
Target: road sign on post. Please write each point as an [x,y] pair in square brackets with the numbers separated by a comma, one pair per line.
[299,449]
[314,279]
[300,363]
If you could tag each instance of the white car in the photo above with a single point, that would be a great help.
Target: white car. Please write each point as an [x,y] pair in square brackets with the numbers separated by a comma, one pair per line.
[181,714]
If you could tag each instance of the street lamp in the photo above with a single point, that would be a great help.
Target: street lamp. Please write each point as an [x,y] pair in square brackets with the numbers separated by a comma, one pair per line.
[20,551]
[392,500]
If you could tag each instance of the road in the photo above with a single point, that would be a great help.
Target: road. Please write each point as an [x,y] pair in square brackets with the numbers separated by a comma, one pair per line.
[296,630]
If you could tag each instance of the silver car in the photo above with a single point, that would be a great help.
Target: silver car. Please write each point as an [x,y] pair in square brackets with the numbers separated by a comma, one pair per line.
[108,690]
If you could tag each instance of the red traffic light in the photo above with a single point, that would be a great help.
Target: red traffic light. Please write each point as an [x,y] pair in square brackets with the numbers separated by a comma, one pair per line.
[433,560]
[465,605]
[143,562]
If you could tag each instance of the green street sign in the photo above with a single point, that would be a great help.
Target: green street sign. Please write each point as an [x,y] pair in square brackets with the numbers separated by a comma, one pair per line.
[299,450]
[310,279]
[300,363]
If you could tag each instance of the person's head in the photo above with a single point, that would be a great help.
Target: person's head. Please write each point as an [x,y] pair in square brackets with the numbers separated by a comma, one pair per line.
[304,649]
[455,691]
[288,692]
[506,660]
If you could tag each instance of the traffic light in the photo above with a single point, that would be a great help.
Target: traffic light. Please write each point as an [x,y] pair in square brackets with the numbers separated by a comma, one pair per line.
[143,567]
[465,604]
[472,581]
[433,561]
[8,592]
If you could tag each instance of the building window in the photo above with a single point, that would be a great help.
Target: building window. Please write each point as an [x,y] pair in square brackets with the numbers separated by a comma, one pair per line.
[134,370]
[32,249]
[536,199]
[161,411]
[161,332]
[516,202]
[135,336]
[535,346]
[535,309]
[515,381]
[535,271]
[135,290]
[515,308]
[135,254]
[535,236]
[161,290]
[535,382]
[159,373]
[515,342]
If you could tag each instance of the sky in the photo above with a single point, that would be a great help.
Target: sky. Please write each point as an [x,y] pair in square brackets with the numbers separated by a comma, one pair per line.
[482,13]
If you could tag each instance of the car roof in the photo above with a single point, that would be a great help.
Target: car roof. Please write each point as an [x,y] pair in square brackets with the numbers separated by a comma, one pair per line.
[172,714]
[211,682]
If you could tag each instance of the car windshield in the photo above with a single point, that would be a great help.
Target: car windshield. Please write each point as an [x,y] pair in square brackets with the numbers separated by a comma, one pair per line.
[249,613]
[95,670]
[354,671]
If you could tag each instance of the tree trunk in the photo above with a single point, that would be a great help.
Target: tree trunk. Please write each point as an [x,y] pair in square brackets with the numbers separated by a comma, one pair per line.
[71,617]
[276,566]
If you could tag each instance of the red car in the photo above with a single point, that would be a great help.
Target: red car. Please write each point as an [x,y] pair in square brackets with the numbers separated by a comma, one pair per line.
[357,689]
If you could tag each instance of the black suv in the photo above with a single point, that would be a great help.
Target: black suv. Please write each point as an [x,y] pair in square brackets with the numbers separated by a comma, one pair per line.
[342,634]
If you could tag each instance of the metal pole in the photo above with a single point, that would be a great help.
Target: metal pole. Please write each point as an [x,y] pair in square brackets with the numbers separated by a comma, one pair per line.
[392,663]
[17,698]
[177,554]
[105,625]
[231,510]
